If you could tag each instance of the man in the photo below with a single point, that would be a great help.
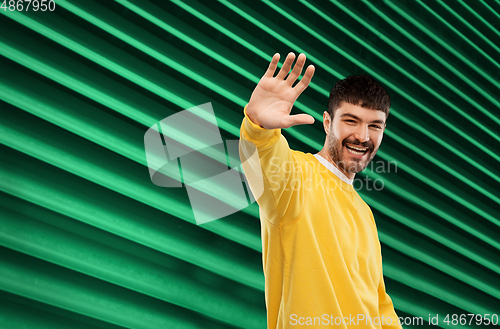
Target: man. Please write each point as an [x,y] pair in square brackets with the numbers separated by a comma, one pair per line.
[321,254]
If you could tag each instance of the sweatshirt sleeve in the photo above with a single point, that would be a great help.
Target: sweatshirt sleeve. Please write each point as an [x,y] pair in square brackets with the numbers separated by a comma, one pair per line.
[386,308]
[279,174]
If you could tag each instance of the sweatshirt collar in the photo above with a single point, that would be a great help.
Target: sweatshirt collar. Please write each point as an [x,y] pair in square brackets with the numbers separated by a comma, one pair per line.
[333,169]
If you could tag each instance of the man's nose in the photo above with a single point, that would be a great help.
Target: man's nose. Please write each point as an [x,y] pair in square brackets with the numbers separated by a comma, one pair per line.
[362,134]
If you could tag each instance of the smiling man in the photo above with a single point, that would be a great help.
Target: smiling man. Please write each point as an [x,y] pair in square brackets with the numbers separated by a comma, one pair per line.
[354,137]
[321,253]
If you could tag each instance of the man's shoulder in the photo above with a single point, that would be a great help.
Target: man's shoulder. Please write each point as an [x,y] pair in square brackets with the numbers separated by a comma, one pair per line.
[368,209]
[305,160]
[303,156]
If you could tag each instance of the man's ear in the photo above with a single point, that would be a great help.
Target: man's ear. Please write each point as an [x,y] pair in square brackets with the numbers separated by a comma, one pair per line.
[326,122]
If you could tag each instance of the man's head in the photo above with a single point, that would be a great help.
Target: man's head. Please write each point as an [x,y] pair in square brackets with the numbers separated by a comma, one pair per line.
[358,108]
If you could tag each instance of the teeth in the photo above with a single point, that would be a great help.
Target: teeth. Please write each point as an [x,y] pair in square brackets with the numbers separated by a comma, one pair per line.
[362,150]
[355,152]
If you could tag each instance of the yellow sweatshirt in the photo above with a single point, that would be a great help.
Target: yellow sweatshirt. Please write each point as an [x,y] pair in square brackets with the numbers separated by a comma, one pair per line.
[321,253]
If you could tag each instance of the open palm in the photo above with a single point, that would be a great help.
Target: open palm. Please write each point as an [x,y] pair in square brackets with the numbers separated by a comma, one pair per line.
[272,100]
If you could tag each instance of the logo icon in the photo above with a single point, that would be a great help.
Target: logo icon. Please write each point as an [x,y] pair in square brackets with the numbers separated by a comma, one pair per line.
[187,147]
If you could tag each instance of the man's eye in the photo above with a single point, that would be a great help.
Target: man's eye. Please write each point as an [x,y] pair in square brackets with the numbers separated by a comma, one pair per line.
[349,120]
[375,126]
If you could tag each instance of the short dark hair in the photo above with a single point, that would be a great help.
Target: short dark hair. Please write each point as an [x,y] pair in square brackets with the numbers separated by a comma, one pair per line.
[360,90]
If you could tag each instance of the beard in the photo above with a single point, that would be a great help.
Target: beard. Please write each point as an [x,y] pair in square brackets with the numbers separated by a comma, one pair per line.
[345,162]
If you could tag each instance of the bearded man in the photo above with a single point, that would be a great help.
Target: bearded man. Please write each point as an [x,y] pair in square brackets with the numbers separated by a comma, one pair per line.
[321,253]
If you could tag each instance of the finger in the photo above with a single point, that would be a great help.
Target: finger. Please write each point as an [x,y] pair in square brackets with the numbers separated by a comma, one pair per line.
[272,66]
[297,119]
[297,69]
[306,79]
[286,66]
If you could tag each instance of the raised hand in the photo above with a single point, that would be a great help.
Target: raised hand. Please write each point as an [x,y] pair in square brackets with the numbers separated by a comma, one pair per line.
[272,100]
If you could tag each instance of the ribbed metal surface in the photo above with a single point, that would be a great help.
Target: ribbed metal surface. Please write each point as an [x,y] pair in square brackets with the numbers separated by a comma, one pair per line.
[87,241]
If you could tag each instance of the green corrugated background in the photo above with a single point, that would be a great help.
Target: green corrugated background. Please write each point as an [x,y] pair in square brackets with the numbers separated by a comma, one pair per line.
[87,241]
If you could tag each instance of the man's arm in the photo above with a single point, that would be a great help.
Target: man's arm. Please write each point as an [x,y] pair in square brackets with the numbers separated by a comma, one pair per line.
[386,308]
[265,115]
[281,194]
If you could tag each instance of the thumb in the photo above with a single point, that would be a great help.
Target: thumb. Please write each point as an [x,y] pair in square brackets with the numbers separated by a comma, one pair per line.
[298,119]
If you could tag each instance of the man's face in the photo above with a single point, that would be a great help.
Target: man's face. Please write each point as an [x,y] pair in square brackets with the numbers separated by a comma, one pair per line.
[352,127]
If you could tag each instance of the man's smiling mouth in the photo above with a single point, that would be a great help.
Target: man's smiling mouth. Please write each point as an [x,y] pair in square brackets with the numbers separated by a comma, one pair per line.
[357,151]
